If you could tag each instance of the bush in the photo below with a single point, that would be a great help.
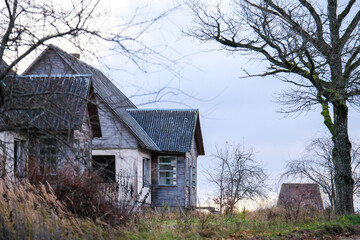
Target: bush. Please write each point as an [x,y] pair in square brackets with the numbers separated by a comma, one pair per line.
[85,195]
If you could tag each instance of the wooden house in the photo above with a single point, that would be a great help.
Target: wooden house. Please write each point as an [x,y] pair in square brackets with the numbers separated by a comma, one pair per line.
[173,169]
[156,150]
[47,122]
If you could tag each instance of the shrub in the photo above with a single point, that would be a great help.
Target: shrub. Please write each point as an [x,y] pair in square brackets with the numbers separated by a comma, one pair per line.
[83,194]
[86,195]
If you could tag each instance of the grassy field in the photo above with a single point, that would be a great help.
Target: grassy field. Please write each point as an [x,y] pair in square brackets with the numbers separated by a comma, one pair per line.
[28,212]
[250,225]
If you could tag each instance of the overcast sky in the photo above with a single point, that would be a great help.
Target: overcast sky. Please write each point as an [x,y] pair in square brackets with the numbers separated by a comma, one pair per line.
[234,109]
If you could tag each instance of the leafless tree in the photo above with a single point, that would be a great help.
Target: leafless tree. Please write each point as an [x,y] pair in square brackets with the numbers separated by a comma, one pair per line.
[26,29]
[237,176]
[27,26]
[317,166]
[313,46]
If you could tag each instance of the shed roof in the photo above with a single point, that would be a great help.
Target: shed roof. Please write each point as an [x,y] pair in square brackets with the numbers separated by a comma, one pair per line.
[107,92]
[172,130]
[45,102]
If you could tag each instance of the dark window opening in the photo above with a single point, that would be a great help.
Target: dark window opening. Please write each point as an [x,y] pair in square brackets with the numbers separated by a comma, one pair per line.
[105,165]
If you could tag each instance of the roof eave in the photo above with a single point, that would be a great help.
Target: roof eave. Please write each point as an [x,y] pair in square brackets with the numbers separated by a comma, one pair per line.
[198,136]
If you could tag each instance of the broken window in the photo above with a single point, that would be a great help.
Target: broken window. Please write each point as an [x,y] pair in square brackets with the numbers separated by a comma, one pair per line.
[48,156]
[167,171]
[20,158]
[105,165]
[146,172]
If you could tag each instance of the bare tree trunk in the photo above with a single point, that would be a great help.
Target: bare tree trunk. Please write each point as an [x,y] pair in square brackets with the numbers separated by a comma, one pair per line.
[222,186]
[342,160]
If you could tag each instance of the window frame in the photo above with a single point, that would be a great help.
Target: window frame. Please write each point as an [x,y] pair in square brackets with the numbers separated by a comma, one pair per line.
[20,158]
[146,172]
[173,171]
[43,159]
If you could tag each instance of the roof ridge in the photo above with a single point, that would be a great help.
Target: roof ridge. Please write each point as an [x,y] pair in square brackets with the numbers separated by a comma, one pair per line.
[54,75]
[164,109]
[171,130]
[107,91]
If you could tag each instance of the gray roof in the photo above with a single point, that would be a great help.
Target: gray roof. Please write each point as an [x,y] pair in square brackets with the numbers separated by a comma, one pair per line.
[172,130]
[110,94]
[45,102]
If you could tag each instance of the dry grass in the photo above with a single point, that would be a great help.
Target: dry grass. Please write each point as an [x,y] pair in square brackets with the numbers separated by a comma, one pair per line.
[34,212]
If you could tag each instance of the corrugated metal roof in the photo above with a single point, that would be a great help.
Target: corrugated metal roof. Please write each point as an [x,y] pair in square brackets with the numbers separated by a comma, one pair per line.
[45,102]
[110,94]
[172,130]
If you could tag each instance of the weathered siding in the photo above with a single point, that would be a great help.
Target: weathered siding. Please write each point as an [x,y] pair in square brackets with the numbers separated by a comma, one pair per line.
[84,137]
[194,156]
[50,64]
[173,196]
[114,133]
[191,176]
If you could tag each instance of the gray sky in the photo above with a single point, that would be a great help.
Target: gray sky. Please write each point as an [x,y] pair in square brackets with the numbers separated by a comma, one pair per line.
[234,109]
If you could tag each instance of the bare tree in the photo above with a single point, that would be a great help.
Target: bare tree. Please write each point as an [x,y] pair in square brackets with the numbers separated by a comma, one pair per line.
[27,26]
[237,176]
[311,45]
[317,166]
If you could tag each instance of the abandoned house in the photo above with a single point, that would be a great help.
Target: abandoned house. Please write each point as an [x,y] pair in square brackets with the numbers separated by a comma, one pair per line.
[305,195]
[155,149]
[44,120]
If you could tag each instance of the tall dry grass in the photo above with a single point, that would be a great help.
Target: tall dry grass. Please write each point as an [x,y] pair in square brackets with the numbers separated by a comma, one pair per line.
[34,212]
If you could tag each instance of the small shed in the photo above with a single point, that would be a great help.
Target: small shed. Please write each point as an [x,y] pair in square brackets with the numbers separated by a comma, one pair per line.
[307,195]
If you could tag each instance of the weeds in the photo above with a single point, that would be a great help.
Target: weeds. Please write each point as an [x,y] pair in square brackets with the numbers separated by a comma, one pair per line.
[34,212]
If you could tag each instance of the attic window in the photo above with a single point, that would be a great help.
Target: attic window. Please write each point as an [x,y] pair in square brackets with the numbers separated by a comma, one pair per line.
[167,171]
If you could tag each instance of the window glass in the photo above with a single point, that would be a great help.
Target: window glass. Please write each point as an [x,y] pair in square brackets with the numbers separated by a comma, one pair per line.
[146,172]
[167,170]
[48,157]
